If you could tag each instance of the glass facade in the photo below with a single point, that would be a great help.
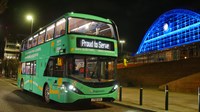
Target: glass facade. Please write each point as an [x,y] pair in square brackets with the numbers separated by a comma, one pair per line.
[172,29]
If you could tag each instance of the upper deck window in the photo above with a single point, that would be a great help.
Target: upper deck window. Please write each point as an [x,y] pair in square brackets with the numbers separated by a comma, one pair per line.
[50,32]
[60,27]
[90,27]
[41,37]
[35,40]
[29,45]
[24,45]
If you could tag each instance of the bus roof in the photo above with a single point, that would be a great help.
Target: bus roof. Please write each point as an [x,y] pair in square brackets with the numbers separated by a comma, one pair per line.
[88,16]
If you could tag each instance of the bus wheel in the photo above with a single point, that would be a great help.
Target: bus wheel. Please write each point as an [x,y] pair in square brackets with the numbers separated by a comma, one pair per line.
[22,84]
[46,93]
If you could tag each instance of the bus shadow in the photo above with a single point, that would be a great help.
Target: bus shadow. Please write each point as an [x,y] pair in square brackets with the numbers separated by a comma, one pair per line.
[28,98]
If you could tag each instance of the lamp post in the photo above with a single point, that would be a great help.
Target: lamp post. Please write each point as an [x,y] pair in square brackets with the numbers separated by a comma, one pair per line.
[122,42]
[30,18]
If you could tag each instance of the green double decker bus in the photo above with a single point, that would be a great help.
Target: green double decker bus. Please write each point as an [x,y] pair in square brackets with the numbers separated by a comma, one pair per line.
[71,59]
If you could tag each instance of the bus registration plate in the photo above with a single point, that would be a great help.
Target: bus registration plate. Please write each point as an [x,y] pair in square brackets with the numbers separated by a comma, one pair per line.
[96,99]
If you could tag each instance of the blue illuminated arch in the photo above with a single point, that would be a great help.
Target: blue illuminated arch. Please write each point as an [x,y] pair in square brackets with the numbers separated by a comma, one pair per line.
[173,28]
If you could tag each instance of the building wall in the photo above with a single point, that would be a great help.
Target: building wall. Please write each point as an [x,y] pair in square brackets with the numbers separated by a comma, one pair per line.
[177,53]
[11,50]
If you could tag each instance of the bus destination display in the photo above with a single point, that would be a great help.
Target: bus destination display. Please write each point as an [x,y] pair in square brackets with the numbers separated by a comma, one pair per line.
[95,44]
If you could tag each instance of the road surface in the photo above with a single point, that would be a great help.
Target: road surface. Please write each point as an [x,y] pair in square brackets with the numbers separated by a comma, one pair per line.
[12,99]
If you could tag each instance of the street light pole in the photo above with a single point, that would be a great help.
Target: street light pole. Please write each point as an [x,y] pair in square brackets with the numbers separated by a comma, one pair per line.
[30,18]
[31,26]
[122,42]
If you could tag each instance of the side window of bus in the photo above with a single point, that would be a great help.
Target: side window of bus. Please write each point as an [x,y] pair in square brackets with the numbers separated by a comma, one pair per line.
[34,41]
[23,68]
[49,68]
[41,37]
[24,45]
[60,27]
[50,32]
[27,71]
[33,67]
[29,44]
[29,68]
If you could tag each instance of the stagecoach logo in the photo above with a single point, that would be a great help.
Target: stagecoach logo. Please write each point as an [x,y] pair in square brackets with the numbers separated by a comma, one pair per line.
[95,44]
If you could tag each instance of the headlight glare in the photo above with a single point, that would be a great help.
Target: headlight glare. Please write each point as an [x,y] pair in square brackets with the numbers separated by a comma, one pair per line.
[115,87]
[71,87]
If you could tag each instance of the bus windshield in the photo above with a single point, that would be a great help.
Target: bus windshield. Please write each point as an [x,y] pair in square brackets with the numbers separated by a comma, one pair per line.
[90,27]
[88,68]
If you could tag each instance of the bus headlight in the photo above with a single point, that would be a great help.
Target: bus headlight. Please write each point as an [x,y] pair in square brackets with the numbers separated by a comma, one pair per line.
[114,88]
[74,89]
[66,87]
[71,87]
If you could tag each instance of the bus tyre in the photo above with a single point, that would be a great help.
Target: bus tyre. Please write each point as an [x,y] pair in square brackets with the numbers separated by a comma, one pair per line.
[22,84]
[46,93]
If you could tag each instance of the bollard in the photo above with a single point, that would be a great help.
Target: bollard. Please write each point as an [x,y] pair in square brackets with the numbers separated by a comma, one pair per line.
[120,93]
[199,98]
[166,97]
[141,95]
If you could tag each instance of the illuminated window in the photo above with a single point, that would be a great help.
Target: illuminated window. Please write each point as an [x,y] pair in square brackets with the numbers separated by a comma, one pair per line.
[50,32]
[35,40]
[23,68]
[60,27]
[90,27]
[41,37]
[24,45]
[28,68]
[29,45]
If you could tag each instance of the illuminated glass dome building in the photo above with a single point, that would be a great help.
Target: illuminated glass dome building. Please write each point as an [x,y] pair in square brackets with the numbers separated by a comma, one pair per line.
[174,35]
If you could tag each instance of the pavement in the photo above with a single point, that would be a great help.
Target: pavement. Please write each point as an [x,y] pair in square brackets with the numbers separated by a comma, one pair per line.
[153,100]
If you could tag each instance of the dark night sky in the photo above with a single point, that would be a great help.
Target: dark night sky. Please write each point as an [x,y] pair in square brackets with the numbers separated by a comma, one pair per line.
[132,18]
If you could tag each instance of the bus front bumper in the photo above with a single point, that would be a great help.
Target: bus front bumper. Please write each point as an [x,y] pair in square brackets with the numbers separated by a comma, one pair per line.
[72,97]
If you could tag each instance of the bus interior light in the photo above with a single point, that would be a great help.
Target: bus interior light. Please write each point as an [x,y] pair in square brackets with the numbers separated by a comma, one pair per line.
[35,35]
[50,27]
[30,38]
[42,32]
[60,22]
